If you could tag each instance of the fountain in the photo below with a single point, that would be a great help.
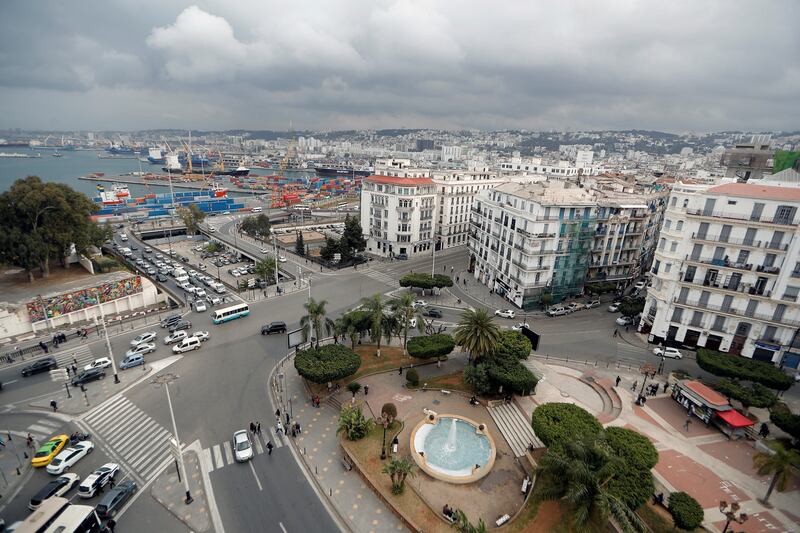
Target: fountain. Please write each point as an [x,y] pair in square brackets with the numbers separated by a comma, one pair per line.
[460,451]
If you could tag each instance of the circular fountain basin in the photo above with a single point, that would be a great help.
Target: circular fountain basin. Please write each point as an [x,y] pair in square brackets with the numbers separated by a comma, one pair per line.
[453,448]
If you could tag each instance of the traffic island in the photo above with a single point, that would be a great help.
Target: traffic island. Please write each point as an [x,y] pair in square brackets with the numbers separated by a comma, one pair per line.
[168,490]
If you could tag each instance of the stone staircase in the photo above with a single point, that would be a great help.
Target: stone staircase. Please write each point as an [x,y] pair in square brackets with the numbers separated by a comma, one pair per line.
[515,428]
[612,404]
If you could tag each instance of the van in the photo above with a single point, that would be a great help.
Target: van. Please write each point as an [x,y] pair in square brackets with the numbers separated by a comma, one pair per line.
[257,210]
[557,311]
[131,361]
[123,237]
[219,287]
[186,345]
[180,280]
[180,272]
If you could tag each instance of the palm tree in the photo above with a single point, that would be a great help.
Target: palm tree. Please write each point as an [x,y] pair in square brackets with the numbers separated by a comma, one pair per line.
[477,333]
[399,470]
[463,525]
[315,319]
[265,268]
[375,307]
[779,463]
[579,476]
[405,311]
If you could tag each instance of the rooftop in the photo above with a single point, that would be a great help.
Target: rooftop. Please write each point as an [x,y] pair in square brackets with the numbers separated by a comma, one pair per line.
[547,194]
[754,190]
[391,180]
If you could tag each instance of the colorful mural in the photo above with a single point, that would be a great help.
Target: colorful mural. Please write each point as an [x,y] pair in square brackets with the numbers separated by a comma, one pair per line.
[70,302]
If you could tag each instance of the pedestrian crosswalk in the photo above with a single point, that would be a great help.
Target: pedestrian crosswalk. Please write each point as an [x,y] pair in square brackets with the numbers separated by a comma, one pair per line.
[382,277]
[44,428]
[81,353]
[130,432]
[628,351]
[221,455]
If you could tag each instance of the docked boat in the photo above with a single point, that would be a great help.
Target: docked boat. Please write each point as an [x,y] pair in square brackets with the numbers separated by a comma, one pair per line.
[342,169]
[156,156]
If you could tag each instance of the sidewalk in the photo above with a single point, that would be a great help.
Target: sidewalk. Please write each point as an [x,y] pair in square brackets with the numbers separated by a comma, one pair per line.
[15,467]
[169,492]
[319,450]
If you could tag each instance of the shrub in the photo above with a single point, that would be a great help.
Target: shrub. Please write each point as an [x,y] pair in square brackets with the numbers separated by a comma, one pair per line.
[737,367]
[559,423]
[389,411]
[685,510]
[755,395]
[514,344]
[327,363]
[105,264]
[353,423]
[426,281]
[430,345]
[513,376]
[633,486]
[634,447]
[354,387]
[781,416]
[477,377]
[412,377]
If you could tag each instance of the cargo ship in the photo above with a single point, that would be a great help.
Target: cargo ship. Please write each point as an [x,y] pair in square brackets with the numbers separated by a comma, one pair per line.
[329,169]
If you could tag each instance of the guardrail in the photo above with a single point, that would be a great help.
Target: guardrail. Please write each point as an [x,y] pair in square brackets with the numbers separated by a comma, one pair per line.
[619,363]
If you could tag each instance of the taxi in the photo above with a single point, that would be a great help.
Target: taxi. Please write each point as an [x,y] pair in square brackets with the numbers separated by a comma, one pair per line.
[49,450]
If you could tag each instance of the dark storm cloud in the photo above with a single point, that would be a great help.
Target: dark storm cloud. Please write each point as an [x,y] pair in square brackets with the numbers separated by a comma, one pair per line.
[358,63]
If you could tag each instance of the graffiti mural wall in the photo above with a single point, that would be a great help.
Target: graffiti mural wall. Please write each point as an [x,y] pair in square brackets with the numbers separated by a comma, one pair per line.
[70,302]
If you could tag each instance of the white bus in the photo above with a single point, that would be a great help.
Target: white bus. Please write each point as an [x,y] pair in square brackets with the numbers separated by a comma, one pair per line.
[230,313]
[302,208]
[56,514]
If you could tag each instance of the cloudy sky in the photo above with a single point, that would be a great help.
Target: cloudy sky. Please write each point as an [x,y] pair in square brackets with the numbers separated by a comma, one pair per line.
[336,64]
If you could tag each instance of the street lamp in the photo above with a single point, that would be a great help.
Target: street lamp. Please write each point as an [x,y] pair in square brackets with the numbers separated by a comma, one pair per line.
[166,379]
[646,370]
[730,514]
[105,332]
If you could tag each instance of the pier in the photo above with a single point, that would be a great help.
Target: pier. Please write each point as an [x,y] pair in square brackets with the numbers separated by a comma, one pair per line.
[196,186]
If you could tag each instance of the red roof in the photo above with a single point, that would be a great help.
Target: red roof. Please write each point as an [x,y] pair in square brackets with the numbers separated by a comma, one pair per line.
[735,418]
[754,190]
[709,395]
[392,180]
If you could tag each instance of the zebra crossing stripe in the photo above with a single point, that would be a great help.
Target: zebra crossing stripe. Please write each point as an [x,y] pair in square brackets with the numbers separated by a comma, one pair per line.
[139,421]
[218,456]
[275,440]
[153,463]
[259,447]
[228,451]
[100,418]
[158,437]
[36,428]
[205,460]
[48,423]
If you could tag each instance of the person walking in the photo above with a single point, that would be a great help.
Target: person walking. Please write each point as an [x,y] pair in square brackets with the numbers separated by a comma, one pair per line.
[616,332]
[54,405]
[269,447]
[400,371]
[366,390]
[666,386]
[633,387]
[278,413]
[297,427]
[686,424]
[67,369]
[258,428]
[618,380]
[74,370]
[279,428]
[287,418]
[111,524]
[252,427]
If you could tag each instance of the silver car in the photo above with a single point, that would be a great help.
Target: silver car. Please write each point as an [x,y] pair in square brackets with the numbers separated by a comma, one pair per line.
[242,447]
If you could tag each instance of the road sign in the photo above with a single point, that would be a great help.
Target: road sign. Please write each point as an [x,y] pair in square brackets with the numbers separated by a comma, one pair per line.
[59,375]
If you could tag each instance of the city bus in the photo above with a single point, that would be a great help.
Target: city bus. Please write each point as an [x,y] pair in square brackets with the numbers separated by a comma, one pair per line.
[56,514]
[230,313]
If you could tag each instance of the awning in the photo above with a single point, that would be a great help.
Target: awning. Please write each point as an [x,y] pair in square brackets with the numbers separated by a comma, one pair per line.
[735,419]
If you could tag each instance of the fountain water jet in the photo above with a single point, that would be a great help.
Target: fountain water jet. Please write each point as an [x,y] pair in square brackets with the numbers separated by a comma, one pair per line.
[450,446]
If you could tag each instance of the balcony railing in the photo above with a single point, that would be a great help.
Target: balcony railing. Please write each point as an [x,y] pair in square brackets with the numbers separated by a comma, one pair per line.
[535,235]
[750,243]
[529,268]
[768,269]
[740,216]
[720,263]
[737,312]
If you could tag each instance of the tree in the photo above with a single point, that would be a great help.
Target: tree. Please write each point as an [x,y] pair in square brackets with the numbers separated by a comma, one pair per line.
[436,345]
[256,226]
[192,217]
[637,449]
[353,240]
[327,363]
[506,371]
[477,377]
[405,311]
[779,463]
[754,395]
[315,321]
[579,475]
[374,306]
[737,367]
[426,281]
[463,525]
[782,416]
[299,244]
[328,249]
[353,423]
[354,387]
[389,413]
[412,376]
[477,333]
[631,307]
[559,423]
[687,513]
[265,268]
[514,344]
[399,470]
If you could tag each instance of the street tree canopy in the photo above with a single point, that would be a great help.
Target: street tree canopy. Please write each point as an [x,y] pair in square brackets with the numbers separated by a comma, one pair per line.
[191,216]
[327,363]
[256,226]
[736,367]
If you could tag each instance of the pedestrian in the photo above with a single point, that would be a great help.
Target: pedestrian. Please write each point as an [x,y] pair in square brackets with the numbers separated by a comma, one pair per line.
[269,447]
[252,427]
[666,385]
[465,282]
[627,327]
[618,380]
[400,371]
[74,360]
[279,428]
[258,428]
[451,269]
[278,413]
[29,441]
[54,405]
[67,371]
[74,370]
[616,332]
[297,427]
[764,430]
[111,482]
[691,410]
[633,387]
[686,424]
[366,390]
[287,418]
[111,524]
[457,280]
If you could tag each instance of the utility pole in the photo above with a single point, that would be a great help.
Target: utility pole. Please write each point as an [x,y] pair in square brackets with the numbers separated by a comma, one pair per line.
[105,332]
[166,379]
[275,251]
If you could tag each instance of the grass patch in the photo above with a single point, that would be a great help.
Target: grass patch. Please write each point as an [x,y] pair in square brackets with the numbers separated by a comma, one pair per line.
[454,381]
[657,519]
[391,359]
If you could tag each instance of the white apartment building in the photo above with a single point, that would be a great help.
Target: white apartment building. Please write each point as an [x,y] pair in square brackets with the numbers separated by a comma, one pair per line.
[726,273]
[529,239]
[397,215]
[535,165]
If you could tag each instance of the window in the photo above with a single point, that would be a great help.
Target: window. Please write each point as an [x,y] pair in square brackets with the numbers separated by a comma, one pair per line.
[719,323]
[679,225]
[673,246]
[673,201]
[677,314]
[791,293]
[667,268]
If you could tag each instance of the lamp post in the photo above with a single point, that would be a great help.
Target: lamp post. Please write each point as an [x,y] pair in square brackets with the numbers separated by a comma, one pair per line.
[105,332]
[383,440]
[731,515]
[646,370]
[275,251]
[166,379]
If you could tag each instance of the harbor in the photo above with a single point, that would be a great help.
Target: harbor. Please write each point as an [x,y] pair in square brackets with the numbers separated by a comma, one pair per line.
[152,182]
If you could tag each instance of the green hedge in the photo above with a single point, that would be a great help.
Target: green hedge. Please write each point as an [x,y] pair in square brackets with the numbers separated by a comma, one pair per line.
[412,376]
[634,447]
[430,345]
[755,395]
[633,486]
[558,423]
[426,281]
[514,344]
[327,363]
[781,416]
[512,375]
[738,367]
[685,511]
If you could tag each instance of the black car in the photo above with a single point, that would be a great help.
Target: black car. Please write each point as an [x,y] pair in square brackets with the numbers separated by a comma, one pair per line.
[162,278]
[88,375]
[401,257]
[433,313]
[56,487]
[171,320]
[41,365]
[179,325]
[116,498]
[273,327]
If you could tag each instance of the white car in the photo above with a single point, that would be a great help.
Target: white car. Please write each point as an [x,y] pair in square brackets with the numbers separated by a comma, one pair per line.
[521,325]
[147,347]
[202,335]
[213,300]
[147,336]
[67,458]
[624,321]
[613,308]
[242,447]
[639,286]
[281,259]
[212,229]
[419,303]
[264,251]
[177,336]
[505,313]
[103,362]
[199,306]
[200,293]
[672,353]
[98,478]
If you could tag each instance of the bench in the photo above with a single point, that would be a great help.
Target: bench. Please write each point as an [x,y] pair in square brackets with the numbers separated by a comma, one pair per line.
[451,518]
[525,484]
[502,520]
[445,391]
[347,464]
[394,448]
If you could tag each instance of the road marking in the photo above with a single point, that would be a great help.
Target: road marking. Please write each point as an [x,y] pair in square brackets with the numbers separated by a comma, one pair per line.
[228,451]
[218,457]
[253,470]
[259,448]
[10,382]
[282,528]
[278,443]
[205,460]
[36,428]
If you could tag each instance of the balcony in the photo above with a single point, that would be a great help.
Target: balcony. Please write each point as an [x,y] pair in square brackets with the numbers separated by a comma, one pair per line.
[720,263]
[750,243]
[782,321]
[529,268]
[795,274]
[768,269]
[535,235]
[729,215]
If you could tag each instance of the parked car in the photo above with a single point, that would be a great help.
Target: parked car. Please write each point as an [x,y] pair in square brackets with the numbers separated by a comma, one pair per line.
[181,324]
[432,312]
[56,487]
[614,307]
[103,362]
[45,453]
[521,325]
[672,353]
[624,321]
[505,313]
[593,304]
[131,361]
[574,306]
[273,327]
[242,447]
[40,365]
[170,321]
[419,304]
[281,259]
[111,503]
[202,335]
[640,285]
[68,457]
[401,257]
[557,310]
[87,376]
[175,336]
[142,349]
[147,336]
[98,478]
